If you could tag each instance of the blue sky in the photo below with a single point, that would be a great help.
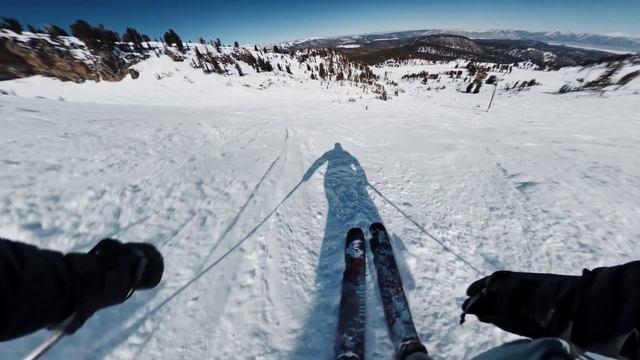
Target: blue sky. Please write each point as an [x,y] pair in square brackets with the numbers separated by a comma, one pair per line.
[252,21]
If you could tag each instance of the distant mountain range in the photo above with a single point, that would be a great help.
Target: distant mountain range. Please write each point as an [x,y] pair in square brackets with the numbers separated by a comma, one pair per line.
[594,41]
[505,47]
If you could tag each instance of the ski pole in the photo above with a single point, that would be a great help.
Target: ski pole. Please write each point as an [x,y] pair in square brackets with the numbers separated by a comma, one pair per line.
[492,95]
[51,341]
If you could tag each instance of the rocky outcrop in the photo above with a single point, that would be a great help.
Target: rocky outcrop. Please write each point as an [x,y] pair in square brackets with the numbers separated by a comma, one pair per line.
[110,67]
[174,55]
[40,57]
[66,60]
[134,73]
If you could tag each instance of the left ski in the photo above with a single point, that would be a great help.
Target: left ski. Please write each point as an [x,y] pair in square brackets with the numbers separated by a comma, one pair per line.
[351,319]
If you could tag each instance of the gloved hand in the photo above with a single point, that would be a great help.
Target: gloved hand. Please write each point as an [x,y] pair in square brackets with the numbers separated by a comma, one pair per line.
[598,311]
[527,304]
[108,274]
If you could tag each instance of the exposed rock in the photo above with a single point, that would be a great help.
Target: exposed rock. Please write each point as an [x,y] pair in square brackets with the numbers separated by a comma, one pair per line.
[174,55]
[64,58]
[110,67]
[134,74]
[40,57]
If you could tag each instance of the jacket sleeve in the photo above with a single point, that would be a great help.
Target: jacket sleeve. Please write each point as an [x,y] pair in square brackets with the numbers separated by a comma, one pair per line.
[598,311]
[37,287]
[547,348]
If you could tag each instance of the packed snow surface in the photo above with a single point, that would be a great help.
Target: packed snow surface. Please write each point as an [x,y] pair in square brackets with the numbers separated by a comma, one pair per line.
[242,188]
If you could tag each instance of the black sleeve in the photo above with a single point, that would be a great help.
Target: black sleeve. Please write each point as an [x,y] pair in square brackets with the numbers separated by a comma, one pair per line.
[607,319]
[598,311]
[37,287]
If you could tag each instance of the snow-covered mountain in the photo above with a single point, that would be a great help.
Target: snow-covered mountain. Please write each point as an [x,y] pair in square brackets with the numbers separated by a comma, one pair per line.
[226,160]
[161,69]
[606,42]
[618,43]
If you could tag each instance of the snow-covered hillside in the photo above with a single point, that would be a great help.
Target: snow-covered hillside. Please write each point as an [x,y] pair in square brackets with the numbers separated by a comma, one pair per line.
[211,169]
[165,81]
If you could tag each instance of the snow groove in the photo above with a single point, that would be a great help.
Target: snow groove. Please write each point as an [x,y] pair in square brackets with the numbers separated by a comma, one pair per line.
[424,231]
[249,198]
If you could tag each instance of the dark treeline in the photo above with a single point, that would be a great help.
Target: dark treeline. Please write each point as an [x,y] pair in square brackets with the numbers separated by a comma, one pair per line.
[99,37]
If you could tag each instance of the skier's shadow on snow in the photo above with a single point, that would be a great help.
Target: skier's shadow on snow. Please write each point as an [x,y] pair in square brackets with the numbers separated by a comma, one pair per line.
[349,205]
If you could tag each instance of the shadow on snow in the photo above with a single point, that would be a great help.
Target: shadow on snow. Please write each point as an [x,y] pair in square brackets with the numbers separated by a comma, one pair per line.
[349,205]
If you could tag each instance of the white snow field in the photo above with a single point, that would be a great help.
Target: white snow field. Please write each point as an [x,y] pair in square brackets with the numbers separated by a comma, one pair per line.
[211,171]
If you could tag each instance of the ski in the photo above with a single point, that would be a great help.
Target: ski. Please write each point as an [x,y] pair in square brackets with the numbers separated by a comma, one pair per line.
[351,318]
[394,301]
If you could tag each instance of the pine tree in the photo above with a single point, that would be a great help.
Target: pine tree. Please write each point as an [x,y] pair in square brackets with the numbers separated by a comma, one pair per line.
[239,70]
[108,37]
[263,65]
[11,24]
[255,48]
[321,71]
[132,35]
[235,44]
[276,49]
[383,96]
[54,30]
[288,69]
[171,38]
[82,30]
[216,66]
[477,88]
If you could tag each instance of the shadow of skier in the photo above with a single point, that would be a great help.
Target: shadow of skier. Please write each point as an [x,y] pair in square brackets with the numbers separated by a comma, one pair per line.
[349,205]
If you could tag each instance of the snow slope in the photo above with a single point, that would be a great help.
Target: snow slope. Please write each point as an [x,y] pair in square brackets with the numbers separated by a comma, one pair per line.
[163,81]
[253,247]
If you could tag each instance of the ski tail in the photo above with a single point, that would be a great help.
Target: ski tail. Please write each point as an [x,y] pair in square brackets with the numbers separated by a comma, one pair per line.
[394,301]
[351,320]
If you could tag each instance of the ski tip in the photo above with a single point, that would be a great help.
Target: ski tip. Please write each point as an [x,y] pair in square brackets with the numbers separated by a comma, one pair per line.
[412,349]
[349,356]
[376,227]
[355,233]
[418,356]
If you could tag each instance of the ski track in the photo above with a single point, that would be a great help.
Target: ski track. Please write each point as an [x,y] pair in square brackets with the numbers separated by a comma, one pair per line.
[253,259]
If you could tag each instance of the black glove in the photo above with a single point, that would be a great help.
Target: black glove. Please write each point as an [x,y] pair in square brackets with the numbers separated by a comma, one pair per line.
[598,311]
[108,274]
[532,305]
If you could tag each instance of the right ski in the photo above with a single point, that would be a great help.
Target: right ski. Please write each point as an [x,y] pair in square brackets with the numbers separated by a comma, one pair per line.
[351,319]
[396,308]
